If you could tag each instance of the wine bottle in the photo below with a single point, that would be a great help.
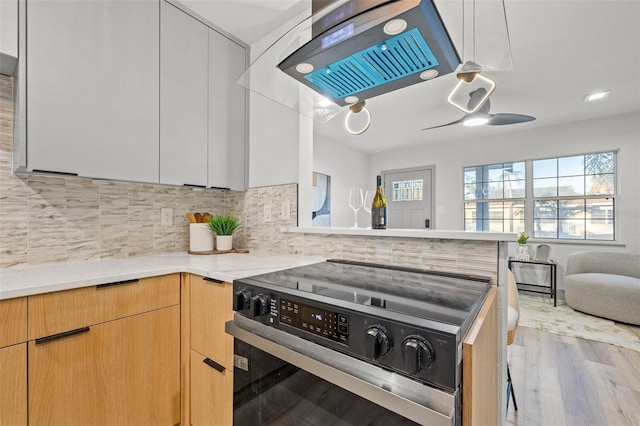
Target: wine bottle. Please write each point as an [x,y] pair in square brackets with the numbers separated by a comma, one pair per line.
[379,207]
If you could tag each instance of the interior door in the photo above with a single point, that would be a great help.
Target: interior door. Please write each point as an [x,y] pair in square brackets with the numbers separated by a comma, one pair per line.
[409,198]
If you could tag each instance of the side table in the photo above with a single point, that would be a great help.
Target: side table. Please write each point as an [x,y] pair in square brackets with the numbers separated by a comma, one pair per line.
[546,287]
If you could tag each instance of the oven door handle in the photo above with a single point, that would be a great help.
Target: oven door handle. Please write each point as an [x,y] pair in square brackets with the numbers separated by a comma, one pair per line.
[415,401]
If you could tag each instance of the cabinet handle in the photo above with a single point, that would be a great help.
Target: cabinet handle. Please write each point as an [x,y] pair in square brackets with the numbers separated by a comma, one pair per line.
[213,280]
[213,364]
[61,335]
[52,172]
[118,283]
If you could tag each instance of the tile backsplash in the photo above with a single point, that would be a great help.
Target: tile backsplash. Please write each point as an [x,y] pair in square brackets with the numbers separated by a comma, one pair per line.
[47,219]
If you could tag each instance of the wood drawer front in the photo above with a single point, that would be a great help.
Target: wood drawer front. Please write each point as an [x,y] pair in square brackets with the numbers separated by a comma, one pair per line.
[211,393]
[13,321]
[54,313]
[211,307]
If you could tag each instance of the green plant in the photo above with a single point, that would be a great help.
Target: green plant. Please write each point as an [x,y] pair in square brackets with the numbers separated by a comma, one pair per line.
[224,224]
[522,239]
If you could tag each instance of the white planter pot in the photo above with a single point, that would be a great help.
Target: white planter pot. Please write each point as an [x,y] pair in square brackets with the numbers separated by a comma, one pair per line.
[200,237]
[224,242]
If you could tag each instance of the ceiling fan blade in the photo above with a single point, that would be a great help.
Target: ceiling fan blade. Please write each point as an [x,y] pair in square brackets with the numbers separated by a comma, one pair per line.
[444,125]
[501,119]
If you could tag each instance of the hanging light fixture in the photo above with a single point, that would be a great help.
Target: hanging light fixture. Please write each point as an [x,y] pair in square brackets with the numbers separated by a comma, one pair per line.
[468,82]
[358,119]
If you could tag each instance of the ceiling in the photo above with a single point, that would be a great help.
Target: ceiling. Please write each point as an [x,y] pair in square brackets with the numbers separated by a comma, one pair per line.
[561,51]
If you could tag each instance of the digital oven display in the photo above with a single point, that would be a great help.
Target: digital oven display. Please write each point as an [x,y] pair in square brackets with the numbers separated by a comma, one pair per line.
[318,321]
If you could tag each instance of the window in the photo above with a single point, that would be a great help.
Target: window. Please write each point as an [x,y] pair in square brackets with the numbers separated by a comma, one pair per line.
[407,190]
[574,197]
[494,197]
[571,197]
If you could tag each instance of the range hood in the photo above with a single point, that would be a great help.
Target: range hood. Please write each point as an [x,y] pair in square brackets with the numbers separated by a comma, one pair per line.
[366,48]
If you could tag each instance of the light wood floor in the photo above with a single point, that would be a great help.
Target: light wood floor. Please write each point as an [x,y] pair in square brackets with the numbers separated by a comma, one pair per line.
[562,380]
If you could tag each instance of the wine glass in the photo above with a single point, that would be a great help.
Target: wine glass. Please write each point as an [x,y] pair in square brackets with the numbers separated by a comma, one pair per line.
[355,202]
[368,201]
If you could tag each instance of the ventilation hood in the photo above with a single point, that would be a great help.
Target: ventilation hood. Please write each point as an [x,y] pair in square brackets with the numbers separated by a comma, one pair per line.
[366,48]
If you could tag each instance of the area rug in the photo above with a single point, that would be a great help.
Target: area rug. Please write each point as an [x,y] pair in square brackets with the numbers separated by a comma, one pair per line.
[538,312]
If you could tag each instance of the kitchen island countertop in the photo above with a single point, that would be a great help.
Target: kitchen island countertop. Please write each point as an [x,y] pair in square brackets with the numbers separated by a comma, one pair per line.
[31,280]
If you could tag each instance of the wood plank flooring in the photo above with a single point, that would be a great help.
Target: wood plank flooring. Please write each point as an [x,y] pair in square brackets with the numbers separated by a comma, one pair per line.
[566,381]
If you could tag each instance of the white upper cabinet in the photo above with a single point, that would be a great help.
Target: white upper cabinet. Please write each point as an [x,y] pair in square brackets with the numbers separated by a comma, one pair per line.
[227,113]
[92,88]
[184,81]
[8,36]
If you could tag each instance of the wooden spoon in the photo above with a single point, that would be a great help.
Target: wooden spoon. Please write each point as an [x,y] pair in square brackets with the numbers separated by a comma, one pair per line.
[198,218]
[191,218]
[205,217]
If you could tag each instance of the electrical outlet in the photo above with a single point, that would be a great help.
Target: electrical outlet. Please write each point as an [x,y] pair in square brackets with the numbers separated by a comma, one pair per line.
[267,212]
[285,212]
[166,217]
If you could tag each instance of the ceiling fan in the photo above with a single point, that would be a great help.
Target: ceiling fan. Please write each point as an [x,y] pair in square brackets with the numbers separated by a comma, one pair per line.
[482,115]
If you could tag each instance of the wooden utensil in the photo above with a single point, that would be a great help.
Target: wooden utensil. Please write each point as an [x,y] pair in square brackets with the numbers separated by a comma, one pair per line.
[205,217]
[191,218]
[198,218]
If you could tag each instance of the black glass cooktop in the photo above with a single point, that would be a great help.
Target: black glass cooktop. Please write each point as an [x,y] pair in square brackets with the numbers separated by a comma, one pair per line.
[442,297]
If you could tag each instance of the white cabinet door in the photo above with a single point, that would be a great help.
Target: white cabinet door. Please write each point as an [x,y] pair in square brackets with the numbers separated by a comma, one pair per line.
[227,109]
[183,98]
[8,36]
[92,88]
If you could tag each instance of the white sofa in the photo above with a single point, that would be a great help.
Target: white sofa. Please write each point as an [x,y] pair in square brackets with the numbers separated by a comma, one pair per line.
[604,284]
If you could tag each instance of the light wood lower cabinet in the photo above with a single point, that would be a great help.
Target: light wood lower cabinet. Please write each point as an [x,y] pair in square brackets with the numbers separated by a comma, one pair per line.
[13,362]
[211,393]
[122,372]
[211,307]
[13,385]
[480,366]
[211,382]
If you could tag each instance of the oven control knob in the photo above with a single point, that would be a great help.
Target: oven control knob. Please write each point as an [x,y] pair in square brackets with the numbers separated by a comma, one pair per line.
[241,300]
[417,353]
[259,305]
[377,342]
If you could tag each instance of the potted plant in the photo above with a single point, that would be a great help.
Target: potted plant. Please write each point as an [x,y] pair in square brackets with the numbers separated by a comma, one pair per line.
[224,226]
[523,251]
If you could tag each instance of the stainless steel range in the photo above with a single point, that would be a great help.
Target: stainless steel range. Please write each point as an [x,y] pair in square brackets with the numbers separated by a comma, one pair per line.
[389,336]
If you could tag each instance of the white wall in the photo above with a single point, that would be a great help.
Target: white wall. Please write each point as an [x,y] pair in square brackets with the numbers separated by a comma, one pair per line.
[614,133]
[348,168]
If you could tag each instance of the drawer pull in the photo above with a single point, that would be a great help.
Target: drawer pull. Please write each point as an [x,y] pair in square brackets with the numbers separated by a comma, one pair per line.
[213,280]
[61,335]
[118,283]
[212,363]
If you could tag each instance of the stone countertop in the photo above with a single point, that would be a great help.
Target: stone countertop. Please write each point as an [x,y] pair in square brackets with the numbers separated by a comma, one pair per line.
[26,281]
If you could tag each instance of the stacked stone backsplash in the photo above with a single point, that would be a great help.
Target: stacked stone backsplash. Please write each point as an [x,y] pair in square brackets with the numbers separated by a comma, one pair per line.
[47,219]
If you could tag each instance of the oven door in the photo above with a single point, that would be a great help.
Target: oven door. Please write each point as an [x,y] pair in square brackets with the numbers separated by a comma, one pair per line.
[282,379]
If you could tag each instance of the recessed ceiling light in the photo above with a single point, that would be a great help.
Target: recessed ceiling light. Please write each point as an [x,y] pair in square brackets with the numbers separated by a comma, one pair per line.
[395,26]
[429,74]
[351,99]
[304,68]
[597,95]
